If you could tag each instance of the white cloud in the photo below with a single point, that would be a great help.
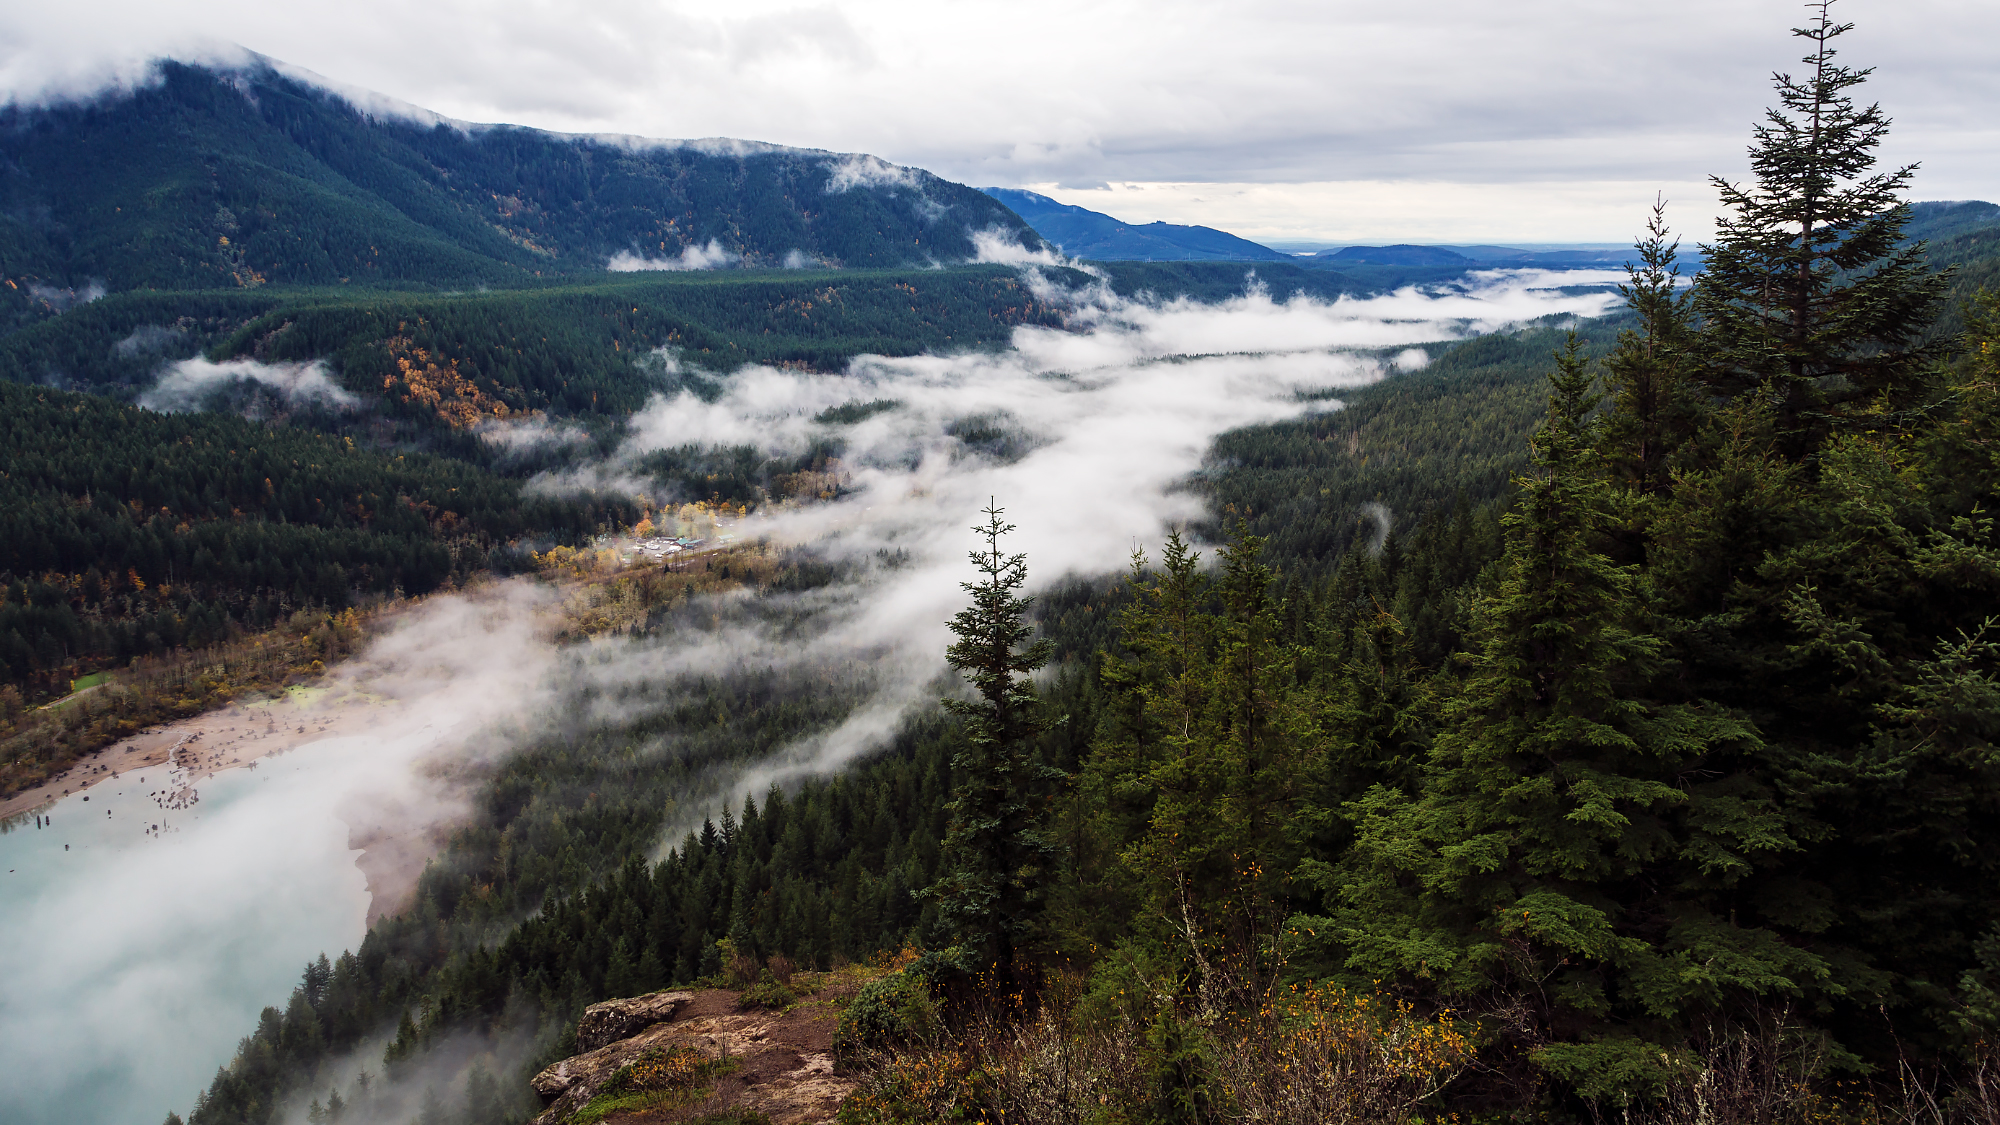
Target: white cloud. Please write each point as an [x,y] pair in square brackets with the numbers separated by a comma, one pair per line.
[711,256]
[520,436]
[192,384]
[1004,247]
[861,170]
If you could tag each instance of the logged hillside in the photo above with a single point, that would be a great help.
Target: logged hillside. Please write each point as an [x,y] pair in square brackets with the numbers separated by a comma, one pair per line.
[248,177]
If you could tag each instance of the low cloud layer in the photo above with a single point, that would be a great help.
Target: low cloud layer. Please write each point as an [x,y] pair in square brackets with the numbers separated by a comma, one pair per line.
[196,384]
[711,256]
[147,338]
[1004,247]
[132,962]
[859,170]
[519,437]
[60,299]
[1084,436]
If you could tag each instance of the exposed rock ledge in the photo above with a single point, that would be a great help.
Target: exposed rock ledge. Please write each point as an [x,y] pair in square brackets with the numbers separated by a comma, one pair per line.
[607,1023]
[784,1060]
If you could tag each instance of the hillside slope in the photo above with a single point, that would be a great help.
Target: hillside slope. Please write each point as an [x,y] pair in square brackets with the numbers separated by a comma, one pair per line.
[211,178]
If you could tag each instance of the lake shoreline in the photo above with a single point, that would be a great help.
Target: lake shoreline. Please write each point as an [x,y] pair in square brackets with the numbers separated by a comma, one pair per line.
[240,736]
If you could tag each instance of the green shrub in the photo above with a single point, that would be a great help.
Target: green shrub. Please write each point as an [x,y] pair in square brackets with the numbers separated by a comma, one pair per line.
[887,1012]
[768,992]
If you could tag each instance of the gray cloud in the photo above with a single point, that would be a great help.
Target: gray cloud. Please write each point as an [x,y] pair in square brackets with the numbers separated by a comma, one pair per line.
[147,338]
[1293,92]
[1382,520]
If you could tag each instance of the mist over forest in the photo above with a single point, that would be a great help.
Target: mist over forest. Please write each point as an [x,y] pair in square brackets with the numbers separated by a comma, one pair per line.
[505,626]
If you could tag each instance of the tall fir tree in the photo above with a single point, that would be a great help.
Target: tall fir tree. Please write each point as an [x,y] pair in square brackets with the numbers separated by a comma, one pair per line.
[1538,866]
[1796,566]
[1653,408]
[1809,304]
[996,860]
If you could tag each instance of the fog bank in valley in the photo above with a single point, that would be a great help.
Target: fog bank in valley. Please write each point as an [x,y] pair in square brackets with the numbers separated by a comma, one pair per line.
[1084,435]
[132,963]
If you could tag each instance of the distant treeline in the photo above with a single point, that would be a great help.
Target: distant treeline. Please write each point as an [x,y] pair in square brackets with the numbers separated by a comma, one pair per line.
[439,362]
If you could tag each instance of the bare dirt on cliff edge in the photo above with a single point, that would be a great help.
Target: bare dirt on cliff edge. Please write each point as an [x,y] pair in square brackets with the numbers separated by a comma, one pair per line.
[784,1063]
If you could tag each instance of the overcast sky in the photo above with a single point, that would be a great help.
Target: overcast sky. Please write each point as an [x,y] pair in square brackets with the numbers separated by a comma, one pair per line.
[1331,121]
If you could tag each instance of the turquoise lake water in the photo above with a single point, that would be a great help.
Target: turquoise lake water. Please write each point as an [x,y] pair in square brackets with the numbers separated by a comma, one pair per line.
[133,962]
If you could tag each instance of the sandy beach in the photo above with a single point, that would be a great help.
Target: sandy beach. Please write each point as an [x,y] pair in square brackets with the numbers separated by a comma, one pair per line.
[394,846]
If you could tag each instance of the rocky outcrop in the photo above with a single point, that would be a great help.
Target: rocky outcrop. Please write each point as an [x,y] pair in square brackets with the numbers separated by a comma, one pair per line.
[607,1023]
[569,1085]
[781,1063]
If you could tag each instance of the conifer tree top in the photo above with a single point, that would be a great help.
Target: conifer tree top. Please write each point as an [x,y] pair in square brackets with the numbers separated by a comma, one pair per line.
[1807,297]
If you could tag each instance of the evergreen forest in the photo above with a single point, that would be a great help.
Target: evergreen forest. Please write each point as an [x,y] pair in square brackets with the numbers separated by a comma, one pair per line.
[1595,723]
[1644,768]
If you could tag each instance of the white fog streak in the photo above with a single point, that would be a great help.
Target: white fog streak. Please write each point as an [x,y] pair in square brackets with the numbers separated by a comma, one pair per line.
[192,383]
[1105,422]
[711,256]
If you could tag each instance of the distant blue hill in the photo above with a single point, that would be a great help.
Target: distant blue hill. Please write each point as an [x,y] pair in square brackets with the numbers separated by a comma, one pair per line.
[1083,233]
[1092,235]
[1465,257]
[1939,221]
[1401,255]
[1933,221]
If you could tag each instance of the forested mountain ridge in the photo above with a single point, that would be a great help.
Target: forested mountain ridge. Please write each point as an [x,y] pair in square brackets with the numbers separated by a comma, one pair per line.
[1093,235]
[246,176]
[581,348]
